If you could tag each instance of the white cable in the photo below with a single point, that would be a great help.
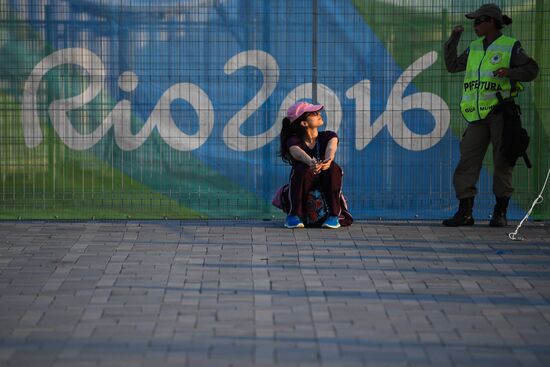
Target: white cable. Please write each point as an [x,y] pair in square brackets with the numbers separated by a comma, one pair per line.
[537,201]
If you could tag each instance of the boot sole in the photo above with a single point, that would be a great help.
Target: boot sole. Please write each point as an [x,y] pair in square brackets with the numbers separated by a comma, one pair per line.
[466,224]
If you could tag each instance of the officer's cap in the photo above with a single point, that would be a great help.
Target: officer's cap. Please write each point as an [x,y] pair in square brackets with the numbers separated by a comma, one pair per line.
[489,10]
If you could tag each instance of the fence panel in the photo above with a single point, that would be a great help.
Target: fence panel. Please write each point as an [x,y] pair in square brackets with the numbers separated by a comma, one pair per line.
[153,109]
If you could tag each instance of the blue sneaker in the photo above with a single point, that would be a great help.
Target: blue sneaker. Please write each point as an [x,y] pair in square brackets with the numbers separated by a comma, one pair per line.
[332,222]
[293,221]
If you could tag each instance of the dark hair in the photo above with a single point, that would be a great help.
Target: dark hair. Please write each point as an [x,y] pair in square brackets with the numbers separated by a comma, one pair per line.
[289,129]
[506,20]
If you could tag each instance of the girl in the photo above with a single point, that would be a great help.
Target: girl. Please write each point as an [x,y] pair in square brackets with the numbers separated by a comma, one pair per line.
[311,154]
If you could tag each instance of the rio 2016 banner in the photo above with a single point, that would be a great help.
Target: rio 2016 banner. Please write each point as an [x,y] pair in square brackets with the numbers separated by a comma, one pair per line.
[152,109]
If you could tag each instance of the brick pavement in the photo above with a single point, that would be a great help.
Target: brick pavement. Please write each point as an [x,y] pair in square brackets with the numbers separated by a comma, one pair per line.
[171,293]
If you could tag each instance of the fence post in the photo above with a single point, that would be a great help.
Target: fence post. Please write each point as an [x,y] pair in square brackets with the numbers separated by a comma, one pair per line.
[268,154]
[314,51]
[539,168]
[49,135]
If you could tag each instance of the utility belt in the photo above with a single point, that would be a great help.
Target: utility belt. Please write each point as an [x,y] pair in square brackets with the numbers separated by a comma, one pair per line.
[515,139]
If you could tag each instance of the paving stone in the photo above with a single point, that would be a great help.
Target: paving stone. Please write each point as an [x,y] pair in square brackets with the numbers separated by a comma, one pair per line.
[227,293]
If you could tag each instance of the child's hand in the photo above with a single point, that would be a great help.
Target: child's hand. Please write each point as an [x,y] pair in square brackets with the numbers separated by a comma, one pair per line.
[313,162]
[324,165]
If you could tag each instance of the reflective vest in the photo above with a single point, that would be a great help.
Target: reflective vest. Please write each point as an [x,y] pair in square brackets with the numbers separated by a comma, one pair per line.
[479,93]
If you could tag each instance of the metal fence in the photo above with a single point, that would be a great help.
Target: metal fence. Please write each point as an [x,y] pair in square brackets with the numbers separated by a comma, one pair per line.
[152,109]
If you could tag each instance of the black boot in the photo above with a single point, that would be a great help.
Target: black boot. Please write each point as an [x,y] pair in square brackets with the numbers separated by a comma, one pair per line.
[463,217]
[499,213]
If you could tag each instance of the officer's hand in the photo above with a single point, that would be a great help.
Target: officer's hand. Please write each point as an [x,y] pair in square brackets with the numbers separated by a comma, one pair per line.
[501,73]
[457,30]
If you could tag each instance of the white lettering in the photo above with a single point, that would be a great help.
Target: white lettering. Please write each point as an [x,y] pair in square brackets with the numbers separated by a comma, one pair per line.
[396,105]
[270,70]
[120,116]
[32,131]
[161,118]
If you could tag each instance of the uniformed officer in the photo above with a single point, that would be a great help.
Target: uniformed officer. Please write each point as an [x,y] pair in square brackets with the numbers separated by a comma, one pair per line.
[494,63]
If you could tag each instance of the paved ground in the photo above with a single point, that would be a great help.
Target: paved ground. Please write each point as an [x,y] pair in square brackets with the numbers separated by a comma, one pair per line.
[173,293]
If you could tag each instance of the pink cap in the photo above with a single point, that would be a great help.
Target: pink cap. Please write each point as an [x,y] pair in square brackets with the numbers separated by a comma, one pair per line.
[299,108]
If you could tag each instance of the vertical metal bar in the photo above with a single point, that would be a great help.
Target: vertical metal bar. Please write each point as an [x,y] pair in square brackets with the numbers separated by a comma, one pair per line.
[268,106]
[537,174]
[314,52]
[51,35]
[124,49]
